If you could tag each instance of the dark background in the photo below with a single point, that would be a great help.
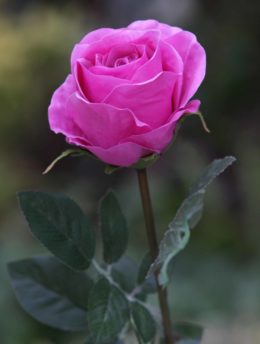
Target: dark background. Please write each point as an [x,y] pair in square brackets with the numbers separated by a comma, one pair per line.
[216,279]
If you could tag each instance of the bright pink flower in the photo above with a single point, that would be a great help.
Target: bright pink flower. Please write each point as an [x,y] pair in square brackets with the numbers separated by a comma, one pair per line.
[127,90]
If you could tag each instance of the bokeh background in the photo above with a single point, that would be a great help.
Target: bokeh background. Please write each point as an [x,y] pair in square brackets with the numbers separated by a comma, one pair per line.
[217,278]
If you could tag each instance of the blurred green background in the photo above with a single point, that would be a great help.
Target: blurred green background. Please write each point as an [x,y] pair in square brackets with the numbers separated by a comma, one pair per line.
[217,277]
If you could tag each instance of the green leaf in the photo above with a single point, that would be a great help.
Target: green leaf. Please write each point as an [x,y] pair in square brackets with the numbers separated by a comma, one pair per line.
[108,312]
[174,240]
[66,153]
[143,321]
[144,267]
[190,210]
[124,272]
[61,226]
[188,215]
[51,292]
[214,169]
[147,284]
[113,227]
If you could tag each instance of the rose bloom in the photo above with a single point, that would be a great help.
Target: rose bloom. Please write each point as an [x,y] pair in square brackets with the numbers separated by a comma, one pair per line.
[127,90]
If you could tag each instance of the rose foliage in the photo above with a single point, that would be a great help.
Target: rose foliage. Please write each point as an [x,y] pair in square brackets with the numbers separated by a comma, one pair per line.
[103,296]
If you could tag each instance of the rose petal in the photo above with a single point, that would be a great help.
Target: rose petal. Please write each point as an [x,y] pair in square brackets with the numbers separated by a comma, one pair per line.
[194,60]
[120,51]
[191,107]
[96,35]
[124,154]
[151,101]
[171,59]
[103,46]
[194,72]
[58,117]
[101,124]
[91,37]
[151,68]
[182,42]
[166,30]
[93,86]
[125,71]
[159,138]
[128,153]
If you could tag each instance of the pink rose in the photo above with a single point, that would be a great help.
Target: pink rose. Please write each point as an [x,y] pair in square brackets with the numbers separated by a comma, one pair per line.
[127,90]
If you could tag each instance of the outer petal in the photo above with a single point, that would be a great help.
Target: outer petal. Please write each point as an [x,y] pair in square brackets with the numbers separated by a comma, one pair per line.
[171,60]
[124,154]
[159,138]
[90,38]
[127,153]
[101,124]
[194,60]
[96,35]
[191,107]
[59,120]
[166,30]
[151,101]
[194,72]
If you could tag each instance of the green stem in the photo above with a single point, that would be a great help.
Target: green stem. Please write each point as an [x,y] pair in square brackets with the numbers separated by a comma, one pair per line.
[153,246]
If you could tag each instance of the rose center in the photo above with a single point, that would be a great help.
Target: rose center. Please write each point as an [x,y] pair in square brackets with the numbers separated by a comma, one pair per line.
[118,56]
[125,60]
